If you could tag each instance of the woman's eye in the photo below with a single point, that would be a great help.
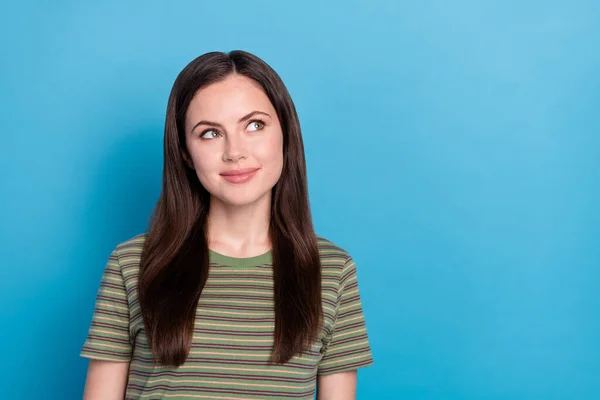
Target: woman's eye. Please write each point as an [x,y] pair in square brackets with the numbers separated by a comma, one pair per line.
[256,125]
[210,134]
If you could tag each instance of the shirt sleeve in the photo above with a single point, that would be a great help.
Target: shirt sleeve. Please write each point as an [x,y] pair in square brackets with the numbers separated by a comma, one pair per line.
[348,347]
[108,336]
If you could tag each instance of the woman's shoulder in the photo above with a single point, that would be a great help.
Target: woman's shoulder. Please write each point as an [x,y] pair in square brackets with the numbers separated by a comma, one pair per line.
[131,247]
[331,253]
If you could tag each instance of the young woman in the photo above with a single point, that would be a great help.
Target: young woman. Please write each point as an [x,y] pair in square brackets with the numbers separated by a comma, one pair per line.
[230,294]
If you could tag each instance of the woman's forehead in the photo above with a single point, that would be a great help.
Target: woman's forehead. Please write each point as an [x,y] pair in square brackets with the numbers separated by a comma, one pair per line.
[228,99]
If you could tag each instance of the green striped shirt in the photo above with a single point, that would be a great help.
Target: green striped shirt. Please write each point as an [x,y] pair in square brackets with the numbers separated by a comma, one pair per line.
[233,333]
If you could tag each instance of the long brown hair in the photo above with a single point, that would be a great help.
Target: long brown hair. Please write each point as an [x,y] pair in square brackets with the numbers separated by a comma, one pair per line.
[175,260]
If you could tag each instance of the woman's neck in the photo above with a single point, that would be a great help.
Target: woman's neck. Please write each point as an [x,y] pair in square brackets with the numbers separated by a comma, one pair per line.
[239,231]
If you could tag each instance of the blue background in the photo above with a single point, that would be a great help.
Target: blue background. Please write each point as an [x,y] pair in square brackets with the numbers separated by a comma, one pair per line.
[453,148]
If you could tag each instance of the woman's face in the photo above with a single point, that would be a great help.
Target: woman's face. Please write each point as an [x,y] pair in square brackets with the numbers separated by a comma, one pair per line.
[235,142]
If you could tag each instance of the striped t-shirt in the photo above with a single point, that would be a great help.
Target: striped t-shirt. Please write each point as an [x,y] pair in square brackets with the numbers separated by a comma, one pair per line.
[233,333]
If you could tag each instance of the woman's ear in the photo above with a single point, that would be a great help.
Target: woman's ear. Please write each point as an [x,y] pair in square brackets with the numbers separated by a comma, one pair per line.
[187,159]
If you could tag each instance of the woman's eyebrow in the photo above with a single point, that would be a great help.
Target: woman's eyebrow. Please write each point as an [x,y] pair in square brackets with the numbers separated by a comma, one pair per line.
[250,115]
[210,123]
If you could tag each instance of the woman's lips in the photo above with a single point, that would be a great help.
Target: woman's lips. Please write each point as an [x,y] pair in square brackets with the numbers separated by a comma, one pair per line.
[239,175]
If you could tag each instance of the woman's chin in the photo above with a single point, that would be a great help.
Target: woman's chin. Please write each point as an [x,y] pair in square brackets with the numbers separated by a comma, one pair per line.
[242,199]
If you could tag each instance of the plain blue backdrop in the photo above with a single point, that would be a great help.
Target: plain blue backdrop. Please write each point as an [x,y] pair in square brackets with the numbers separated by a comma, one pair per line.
[453,148]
